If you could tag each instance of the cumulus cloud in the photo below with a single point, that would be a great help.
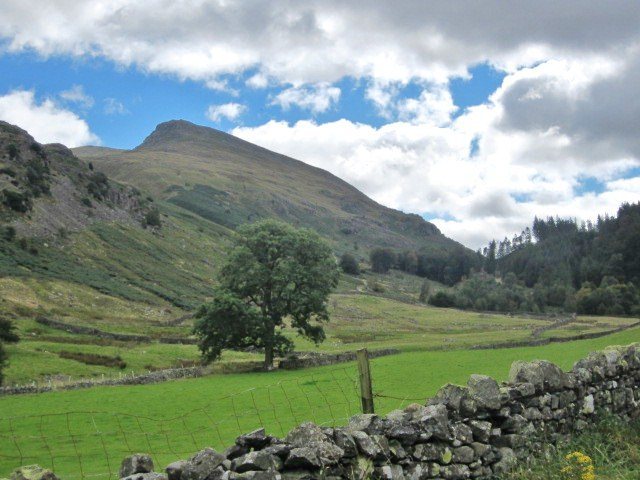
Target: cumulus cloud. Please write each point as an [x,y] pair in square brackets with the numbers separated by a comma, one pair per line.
[568,107]
[78,96]
[230,111]
[316,98]
[46,121]
[424,164]
[319,40]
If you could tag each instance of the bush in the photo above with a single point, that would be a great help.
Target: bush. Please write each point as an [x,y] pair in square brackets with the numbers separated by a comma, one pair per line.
[16,201]
[86,201]
[12,150]
[152,218]
[424,292]
[377,287]
[9,233]
[382,259]
[349,264]
[442,299]
[38,177]
[8,171]
[98,185]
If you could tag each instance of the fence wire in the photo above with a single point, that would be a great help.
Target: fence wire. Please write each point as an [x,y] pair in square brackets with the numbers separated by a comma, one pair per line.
[88,444]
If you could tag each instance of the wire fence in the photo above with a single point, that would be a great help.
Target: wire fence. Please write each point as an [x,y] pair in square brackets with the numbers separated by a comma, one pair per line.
[87,444]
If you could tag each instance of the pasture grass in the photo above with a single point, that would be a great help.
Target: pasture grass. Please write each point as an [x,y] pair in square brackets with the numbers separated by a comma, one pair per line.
[89,431]
[358,319]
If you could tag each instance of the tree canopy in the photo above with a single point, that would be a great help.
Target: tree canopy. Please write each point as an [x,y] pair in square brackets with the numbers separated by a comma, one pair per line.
[274,272]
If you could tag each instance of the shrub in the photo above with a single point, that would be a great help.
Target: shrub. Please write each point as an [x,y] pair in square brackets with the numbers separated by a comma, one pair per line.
[86,201]
[98,185]
[424,292]
[377,287]
[38,177]
[8,171]
[152,218]
[349,264]
[9,233]
[16,201]
[12,150]
[442,299]
[382,259]
[36,148]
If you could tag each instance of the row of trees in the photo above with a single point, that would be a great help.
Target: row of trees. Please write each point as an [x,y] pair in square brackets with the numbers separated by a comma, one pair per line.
[484,292]
[447,267]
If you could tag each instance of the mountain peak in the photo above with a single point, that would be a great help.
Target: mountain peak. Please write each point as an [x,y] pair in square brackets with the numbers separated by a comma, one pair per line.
[167,134]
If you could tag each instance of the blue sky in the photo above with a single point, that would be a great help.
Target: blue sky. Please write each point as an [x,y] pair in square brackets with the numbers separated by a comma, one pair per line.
[478,122]
[148,99]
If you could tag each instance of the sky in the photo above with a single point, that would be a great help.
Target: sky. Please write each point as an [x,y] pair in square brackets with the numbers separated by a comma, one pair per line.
[476,115]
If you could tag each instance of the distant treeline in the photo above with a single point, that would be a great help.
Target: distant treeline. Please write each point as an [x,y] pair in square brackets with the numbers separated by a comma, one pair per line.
[447,267]
[561,264]
[557,264]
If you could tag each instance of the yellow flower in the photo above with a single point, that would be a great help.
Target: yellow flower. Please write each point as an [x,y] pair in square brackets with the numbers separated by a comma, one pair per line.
[580,467]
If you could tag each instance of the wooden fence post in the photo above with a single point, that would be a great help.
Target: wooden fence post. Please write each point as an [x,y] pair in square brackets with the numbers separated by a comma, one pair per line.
[366,391]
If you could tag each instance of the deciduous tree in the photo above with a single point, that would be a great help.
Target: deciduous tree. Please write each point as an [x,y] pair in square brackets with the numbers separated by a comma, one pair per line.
[274,272]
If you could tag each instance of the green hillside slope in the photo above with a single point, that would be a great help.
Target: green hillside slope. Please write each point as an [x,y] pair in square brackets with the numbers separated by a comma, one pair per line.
[229,182]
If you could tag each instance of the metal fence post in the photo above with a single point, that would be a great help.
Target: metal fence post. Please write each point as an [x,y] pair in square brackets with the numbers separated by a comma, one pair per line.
[366,392]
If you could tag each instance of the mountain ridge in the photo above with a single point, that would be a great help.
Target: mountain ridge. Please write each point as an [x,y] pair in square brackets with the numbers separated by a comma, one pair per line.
[177,144]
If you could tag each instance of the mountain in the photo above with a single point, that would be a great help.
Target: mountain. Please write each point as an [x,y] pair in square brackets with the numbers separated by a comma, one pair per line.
[151,224]
[229,181]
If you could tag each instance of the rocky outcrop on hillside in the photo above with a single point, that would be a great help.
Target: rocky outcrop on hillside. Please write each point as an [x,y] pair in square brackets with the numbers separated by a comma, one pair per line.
[46,189]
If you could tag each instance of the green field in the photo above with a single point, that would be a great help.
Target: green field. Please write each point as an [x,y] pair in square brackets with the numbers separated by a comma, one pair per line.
[87,432]
[358,319]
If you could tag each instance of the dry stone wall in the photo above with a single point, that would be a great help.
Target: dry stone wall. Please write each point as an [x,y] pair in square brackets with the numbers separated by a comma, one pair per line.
[314,359]
[480,430]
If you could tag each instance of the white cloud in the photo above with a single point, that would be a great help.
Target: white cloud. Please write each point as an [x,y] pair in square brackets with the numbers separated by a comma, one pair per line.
[258,80]
[113,106]
[46,121]
[316,98]
[319,41]
[230,111]
[423,163]
[77,95]
[568,107]
[434,106]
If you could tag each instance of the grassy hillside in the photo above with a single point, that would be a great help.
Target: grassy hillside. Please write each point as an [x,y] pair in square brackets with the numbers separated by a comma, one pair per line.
[229,181]
[360,317]
[87,229]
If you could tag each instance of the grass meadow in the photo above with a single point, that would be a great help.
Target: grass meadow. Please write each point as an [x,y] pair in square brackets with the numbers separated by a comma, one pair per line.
[358,319]
[87,432]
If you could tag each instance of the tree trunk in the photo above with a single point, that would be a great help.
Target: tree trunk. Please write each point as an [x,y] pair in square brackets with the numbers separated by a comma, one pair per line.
[268,346]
